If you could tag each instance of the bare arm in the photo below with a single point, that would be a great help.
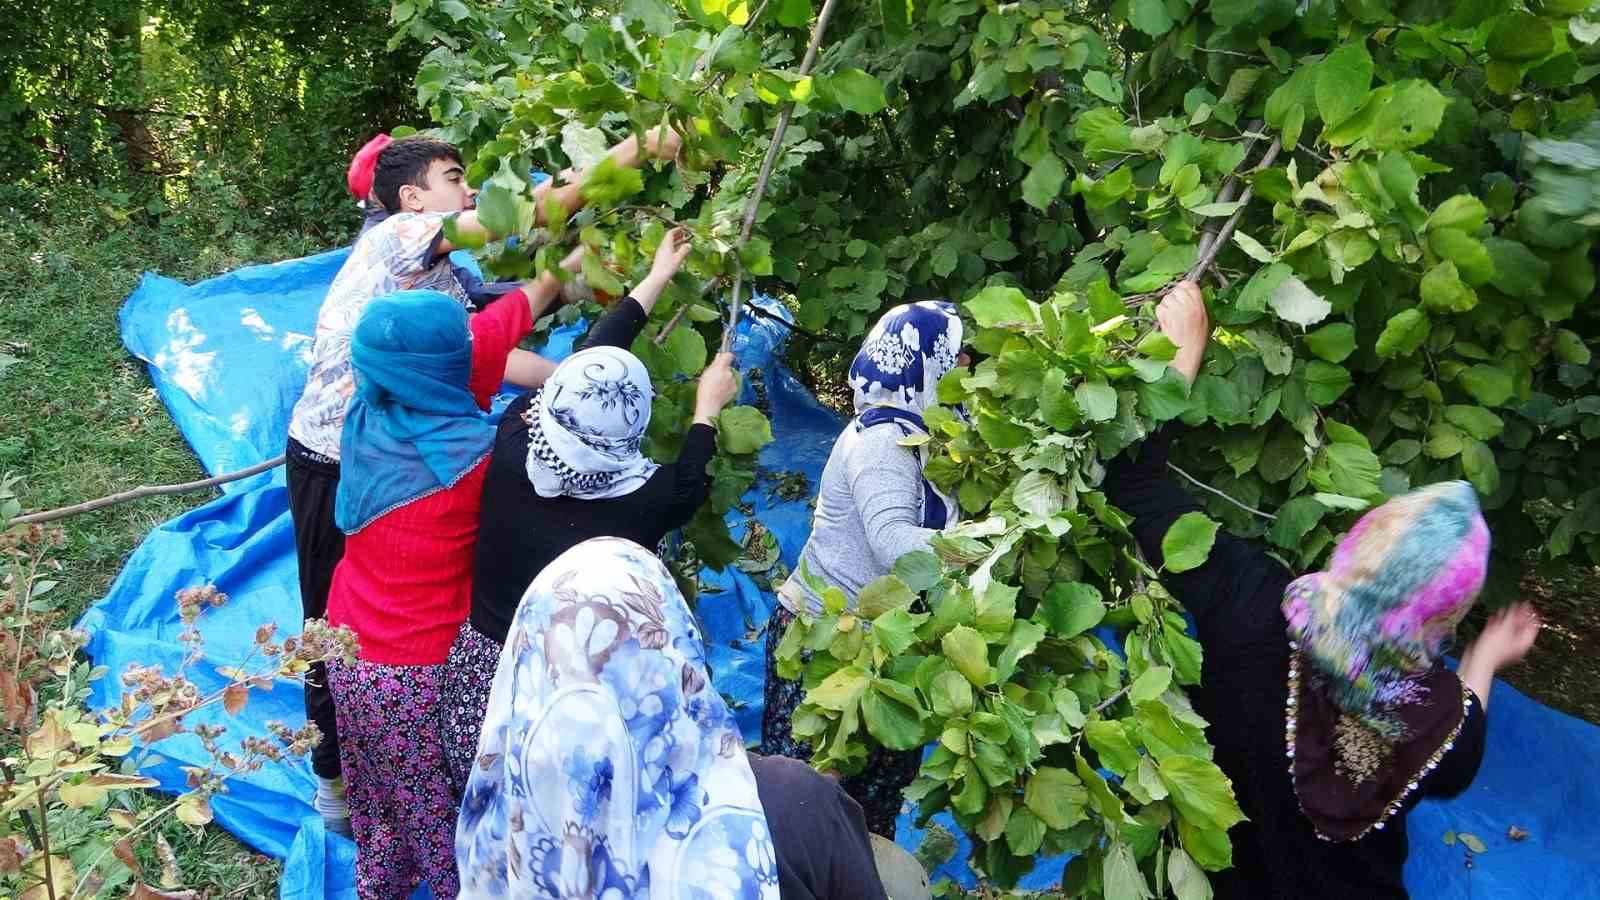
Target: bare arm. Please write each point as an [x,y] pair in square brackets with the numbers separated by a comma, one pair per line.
[1504,642]
[1182,317]
[524,368]
[661,143]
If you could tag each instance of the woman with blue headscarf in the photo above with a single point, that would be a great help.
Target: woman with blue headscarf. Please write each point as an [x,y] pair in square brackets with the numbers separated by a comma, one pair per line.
[874,505]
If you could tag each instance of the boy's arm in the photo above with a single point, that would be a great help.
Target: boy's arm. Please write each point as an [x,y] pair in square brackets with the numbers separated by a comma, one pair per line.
[660,143]
[524,368]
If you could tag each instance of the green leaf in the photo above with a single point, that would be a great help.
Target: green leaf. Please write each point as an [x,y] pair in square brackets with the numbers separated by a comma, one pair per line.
[1261,286]
[999,307]
[1024,832]
[1070,608]
[1100,84]
[969,653]
[1477,463]
[796,13]
[1023,640]
[1166,398]
[1201,792]
[894,724]
[1488,385]
[881,595]
[841,689]
[1571,348]
[950,694]
[1471,257]
[1187,880]
[1056,796]
[1410,118]
[1474,420]
[1325,382]
[687,349]
[1343,79]
[1150,17]
[919,570]
[1188,542]
[743,430]
[1443,290]
[1150,685]
[504,212]
[1111,744]
[1334,342]
[608,183]
[1520,37]
[895,630]
[854,90]
[1043,183]
[1347,469]
[1463,211]
[1121,875]
[1097,399]
[1295,520]
[1404,334]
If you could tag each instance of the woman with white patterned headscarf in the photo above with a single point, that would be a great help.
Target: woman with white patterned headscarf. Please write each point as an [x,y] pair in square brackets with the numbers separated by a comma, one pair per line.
[610,767]
[569,464]
[874,505]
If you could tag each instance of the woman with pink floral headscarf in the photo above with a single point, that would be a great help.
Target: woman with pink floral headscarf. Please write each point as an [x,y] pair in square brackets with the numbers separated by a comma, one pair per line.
[1331,708]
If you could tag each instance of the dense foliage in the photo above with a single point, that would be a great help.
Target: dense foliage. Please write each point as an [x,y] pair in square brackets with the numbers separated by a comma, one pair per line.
[143,97]
[1393,209]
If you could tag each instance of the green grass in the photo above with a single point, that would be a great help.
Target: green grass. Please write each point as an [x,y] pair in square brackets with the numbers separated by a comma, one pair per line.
[81,419]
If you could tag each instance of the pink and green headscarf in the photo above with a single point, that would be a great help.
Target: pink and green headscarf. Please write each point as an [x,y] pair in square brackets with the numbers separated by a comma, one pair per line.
[1387,606]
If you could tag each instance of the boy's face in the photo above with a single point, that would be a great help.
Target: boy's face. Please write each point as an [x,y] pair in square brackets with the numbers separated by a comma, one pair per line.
[446,190]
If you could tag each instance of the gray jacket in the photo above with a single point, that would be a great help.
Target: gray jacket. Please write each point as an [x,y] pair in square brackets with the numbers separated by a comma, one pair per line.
[869,513]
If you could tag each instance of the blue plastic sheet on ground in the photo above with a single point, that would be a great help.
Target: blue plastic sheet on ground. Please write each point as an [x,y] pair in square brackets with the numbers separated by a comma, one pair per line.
[228,357]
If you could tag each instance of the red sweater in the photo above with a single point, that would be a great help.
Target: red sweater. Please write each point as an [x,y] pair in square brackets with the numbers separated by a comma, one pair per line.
[405,582]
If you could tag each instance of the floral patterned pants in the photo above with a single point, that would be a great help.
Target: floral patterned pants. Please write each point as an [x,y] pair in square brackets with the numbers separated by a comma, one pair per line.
[880,786]
[391,747]
[469,674]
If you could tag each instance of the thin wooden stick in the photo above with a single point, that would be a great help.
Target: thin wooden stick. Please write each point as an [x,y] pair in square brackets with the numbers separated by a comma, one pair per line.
[754,203]
[1206,487]
[1210,256]
[1230,186]
[149,490]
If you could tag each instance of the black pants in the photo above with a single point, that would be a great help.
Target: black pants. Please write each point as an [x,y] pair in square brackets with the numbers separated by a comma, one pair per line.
[319,545]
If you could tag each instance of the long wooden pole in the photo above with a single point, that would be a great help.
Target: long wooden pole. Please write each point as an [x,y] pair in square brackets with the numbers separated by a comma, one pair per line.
[149,490]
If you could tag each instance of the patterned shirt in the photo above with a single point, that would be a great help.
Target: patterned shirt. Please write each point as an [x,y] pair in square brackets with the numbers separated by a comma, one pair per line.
[398,254]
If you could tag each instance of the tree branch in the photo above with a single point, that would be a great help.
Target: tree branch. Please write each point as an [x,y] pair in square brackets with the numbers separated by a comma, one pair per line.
[1206,487]
[137,493]
[1210,254]
[754,203]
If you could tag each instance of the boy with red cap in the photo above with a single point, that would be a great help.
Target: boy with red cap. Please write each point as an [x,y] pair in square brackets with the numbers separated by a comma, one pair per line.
[417,182]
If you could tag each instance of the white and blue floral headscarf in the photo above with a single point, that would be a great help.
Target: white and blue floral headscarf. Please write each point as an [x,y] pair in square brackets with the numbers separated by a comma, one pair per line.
[609,766]
[895,377]
[586,424]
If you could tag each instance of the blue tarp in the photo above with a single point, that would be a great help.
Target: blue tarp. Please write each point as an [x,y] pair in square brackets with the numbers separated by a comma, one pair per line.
[228,357]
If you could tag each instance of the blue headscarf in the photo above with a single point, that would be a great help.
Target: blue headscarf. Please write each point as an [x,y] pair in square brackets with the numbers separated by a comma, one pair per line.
[609,766]
[413,427]
[895,376]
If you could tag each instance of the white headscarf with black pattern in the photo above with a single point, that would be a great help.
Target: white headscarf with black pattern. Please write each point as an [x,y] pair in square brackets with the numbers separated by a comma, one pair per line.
[586,424]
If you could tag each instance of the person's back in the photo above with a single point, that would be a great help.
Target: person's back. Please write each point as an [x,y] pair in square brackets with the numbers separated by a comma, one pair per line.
[397,254]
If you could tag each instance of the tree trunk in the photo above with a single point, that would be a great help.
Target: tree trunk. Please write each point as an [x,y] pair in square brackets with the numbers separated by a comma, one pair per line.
[127,50]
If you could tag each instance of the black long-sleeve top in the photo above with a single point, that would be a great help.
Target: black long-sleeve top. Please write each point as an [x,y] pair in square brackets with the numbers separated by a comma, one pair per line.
[521,532]
[1235,599]
[819,834]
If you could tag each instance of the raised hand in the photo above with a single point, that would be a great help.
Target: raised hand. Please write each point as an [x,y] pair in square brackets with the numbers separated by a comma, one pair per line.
[1182,317]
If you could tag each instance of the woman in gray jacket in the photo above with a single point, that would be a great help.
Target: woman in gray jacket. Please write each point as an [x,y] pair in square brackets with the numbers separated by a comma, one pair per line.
[873,506]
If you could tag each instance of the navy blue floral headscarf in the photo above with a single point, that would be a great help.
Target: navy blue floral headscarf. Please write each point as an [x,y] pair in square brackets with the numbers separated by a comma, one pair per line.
[895,376]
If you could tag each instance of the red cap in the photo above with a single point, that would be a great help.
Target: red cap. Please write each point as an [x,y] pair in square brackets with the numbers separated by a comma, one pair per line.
[362,165]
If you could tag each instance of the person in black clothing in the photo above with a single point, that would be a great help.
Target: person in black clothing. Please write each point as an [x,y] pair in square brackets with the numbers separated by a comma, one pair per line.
[1329,707]
[567,467]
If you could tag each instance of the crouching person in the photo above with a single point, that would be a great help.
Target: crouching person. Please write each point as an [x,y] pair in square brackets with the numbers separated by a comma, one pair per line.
[610,767]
